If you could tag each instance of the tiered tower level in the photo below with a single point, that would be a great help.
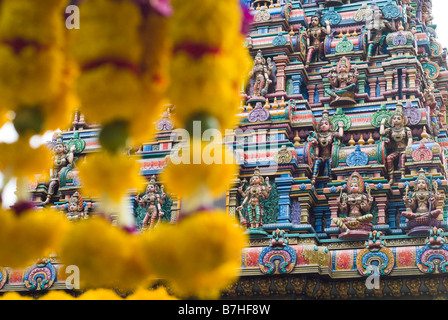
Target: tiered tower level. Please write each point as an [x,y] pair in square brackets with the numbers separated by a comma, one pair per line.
[343,147]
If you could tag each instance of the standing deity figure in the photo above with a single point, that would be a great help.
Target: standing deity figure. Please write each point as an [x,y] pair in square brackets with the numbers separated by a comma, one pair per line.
[356,204]
[377,29]
[344,83]
[399,137]
[434,109]
[152,201]
[315,40]
[260,75]
[427,16]
[62,158]
[421,205]
[76,209]
[409,15]
[323,139]
[254,194]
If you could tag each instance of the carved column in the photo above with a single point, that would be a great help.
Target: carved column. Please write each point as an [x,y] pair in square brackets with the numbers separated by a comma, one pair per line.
[232,198]
[297,83]
[382,81]
[412,73]
[306,206]
[382,206]
[389,75]
[321,90]
[372,85]
[281,61]
[284,183]
[362,83]
[311,91]
[334,211]
[404,77]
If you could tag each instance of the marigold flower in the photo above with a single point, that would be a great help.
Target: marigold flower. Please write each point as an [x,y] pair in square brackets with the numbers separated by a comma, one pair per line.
[19,159]
[157,294]
[110,175]
[186,177]
[33,60]
[195,262]
[100,294]
[57,295]
[215,23]
[14,296]
[29,236]
[107,256]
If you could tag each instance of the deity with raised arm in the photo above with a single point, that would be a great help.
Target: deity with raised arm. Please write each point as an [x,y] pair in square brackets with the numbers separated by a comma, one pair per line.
[356,205]
[399,138]
[253,195]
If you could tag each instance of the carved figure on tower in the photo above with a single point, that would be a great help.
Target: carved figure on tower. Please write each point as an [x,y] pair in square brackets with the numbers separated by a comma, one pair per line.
[76,208]
[409,15]
[253,195]
[315,40]
[399,137]
[355,206]
[422,212]
[427,16]
[344,83]
[324,138]
[377,29]
[152,202]
[62,163]
[260,76]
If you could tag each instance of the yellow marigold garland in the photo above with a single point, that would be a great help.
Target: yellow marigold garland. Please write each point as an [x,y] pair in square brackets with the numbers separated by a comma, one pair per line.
[107,256]
[209,61]
[197,263]
[34,63]
[185,178]
[19,159]
[30,235]
[123,75]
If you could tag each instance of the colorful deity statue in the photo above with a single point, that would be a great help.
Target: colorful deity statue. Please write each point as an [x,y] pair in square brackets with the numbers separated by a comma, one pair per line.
[315,40]
[421,205]
[254,194]
[344,83]
[409,15]
[399,137]
[62,162]
[377,29]
[323,138]
[152,201]
[260,75]
[427,15]
[356,204]
[76,209]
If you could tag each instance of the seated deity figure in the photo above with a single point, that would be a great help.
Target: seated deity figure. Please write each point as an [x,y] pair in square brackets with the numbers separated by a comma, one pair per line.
[421,205]
[62,163]
[399,137]
[356,204]
[343,82]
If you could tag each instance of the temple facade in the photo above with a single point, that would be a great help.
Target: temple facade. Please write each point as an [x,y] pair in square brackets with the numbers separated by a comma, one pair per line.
[342,146]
